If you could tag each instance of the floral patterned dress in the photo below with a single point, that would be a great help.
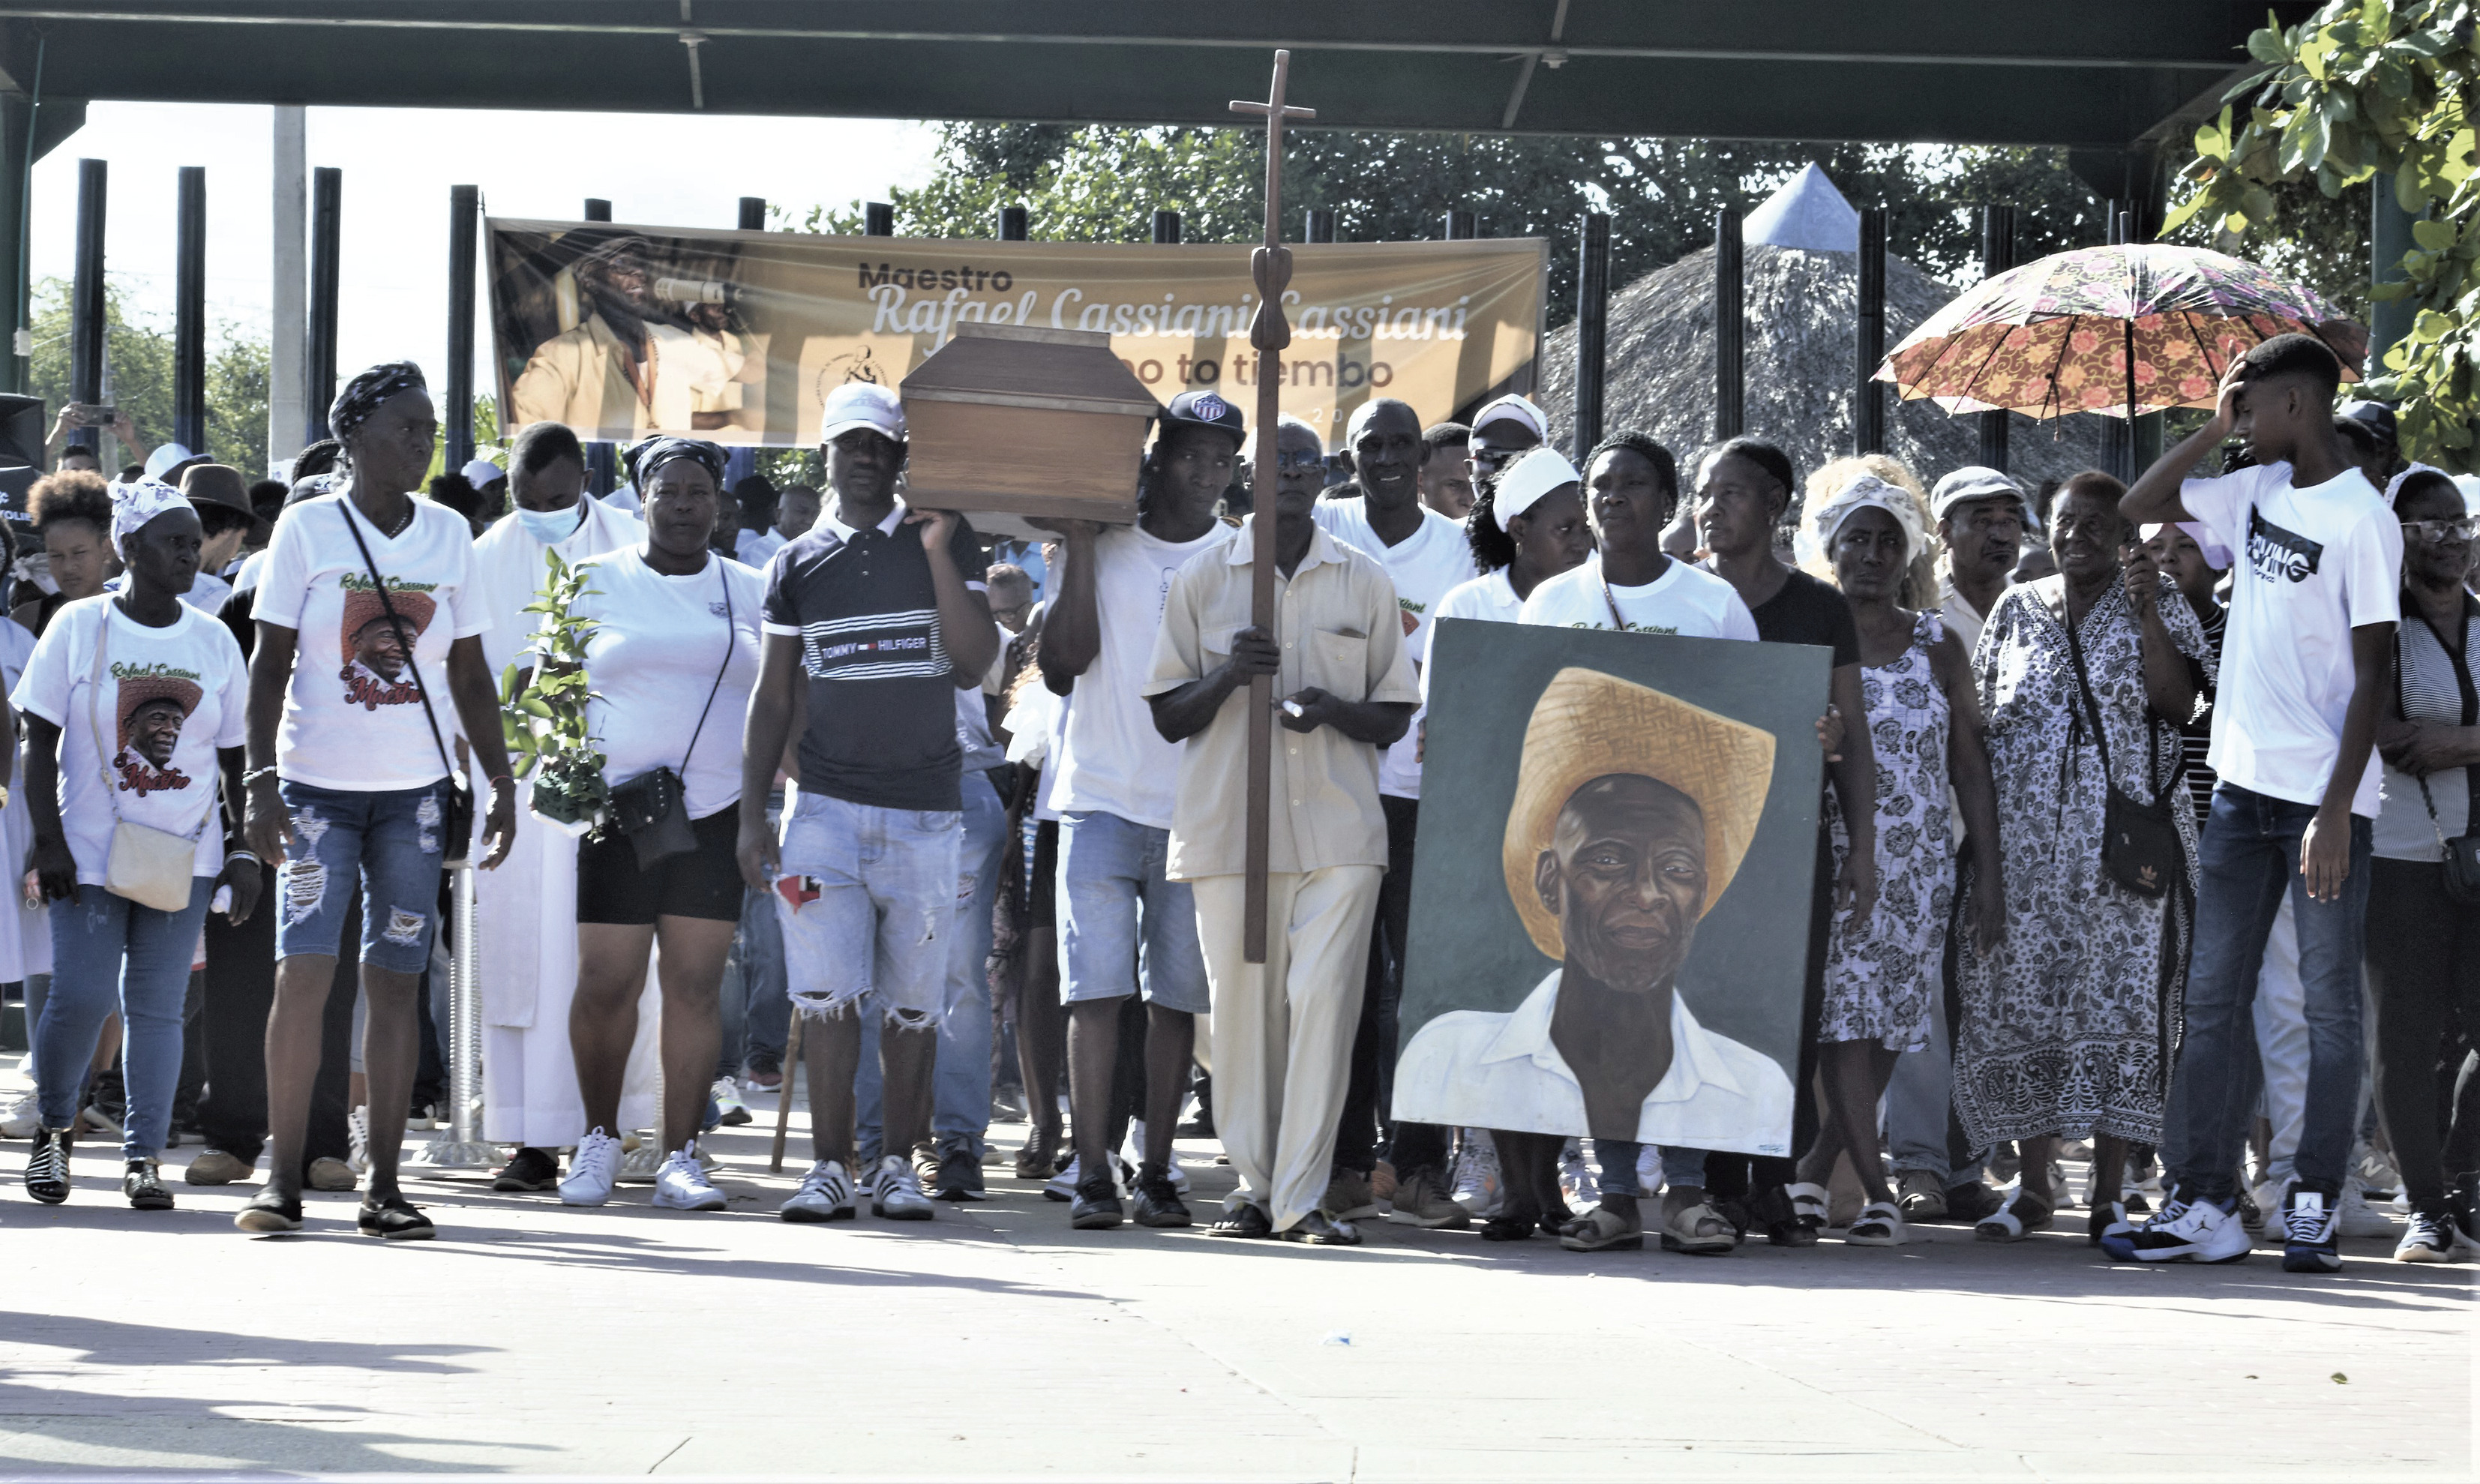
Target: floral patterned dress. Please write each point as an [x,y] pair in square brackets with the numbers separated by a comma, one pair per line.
[1878,980]
[2069,1027]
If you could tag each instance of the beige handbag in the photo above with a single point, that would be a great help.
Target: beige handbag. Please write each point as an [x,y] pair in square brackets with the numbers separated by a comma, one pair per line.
[149,866]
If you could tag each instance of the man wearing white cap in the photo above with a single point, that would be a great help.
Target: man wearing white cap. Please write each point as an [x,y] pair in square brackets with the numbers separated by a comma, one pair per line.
[167,462]
[1981,516]
[874,619]
[491,485]
[1501,433]
[1424,555]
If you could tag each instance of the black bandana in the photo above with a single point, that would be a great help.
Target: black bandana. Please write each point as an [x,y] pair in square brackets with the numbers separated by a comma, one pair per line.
[648,455]
[363,394]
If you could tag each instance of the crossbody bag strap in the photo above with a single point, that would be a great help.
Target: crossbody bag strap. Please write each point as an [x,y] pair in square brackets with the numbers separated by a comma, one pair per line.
[95,729]
[345,504]
[2101,734]
[2471,698]
[729,642]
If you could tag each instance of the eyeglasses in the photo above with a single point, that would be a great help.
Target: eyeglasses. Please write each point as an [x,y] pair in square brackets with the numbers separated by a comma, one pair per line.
[1491,459]
[2438,532]
[1287,459]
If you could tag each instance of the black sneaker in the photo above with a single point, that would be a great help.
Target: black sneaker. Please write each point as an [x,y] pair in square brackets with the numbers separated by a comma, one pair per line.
[143,1184]
[47,1172]
[1158,1202]
[959,1178]
[271,1213]
[1096,1207]
[394,1218]
[2428,1237]
[2307,1232]
[531,1170]
[1247,1221]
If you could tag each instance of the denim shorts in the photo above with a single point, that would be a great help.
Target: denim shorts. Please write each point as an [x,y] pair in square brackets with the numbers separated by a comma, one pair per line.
[1109,871]
[867,896]
[388,843]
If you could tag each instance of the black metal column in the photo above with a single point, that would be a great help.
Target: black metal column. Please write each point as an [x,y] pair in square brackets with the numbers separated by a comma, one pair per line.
[326,229]
[753,213]
[1868,392]
[464,214]
[877,219]
[1319,227]
[189,313]
[597,209]
[1166,228]
[1012,223]
[86,299]
[601,462]
[1997,256]
[1730,328]
[1461,226]
[1592,325]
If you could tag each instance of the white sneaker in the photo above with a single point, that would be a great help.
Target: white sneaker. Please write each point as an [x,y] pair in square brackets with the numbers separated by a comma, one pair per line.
[1477,1180]
[826,1195]
[1062,1187]
[2199,1233]
[730,1111]
[357,1135]
[592,1170]
[681,1185]
[899,1197]
[1133,1154]
[1648,1168]
[95,1119]
[2354,1218]
[18,1118]
[1577,1181]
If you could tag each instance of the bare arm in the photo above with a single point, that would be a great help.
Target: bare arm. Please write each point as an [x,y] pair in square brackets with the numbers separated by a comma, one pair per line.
[1182,713]
[265,825]
[478,706]
[2325,850]
[48,858]
[1855,771]
[1975,790]
[2169,682]
[965,627]
[1071,630]
[240,875]
[764,736]
[1378,722]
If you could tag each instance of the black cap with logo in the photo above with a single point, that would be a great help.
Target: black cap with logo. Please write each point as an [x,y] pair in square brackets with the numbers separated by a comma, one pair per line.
[1206,409]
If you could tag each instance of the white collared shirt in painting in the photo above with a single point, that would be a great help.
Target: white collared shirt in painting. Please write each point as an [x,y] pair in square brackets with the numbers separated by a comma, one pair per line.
[1483,1070]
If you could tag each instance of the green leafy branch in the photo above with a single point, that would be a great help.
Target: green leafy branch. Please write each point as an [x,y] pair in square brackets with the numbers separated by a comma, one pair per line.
[543,709]
[2360,88]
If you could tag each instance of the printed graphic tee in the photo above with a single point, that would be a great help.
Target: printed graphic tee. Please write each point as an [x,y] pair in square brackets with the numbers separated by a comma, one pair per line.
[882,717]
[658,645]
[1682,600]
[2313,565]
[1110,757]
[354,717]
[1424,567]
[168,698]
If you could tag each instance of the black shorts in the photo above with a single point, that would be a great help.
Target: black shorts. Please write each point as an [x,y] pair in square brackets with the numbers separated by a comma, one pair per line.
[704,882]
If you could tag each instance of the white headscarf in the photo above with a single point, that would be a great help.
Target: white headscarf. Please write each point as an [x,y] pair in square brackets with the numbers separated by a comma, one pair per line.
[1539,472]
[1866,492]
[139,501]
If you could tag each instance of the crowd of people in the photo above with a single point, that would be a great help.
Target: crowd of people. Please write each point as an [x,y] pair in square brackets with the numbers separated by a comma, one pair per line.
[2140,800]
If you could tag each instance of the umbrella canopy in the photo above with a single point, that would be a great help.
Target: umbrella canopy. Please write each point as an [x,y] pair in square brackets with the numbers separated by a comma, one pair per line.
[2121,331]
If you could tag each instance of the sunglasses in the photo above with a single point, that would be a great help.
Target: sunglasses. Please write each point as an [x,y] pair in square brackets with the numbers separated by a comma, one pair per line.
[2436,532]
[1298,458]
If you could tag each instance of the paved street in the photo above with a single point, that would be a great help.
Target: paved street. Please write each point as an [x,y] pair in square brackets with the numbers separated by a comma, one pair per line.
[996,1343]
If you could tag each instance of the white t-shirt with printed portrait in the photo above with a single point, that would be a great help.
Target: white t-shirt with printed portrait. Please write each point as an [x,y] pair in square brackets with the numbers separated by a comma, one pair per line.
[2313,565]
[658,646]
[168,698]
[353,719]
[1685,600]
[1426,566]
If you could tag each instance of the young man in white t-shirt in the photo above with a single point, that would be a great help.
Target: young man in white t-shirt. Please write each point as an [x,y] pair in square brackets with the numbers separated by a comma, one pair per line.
[1115,782]
[2315,598]
[1426,557]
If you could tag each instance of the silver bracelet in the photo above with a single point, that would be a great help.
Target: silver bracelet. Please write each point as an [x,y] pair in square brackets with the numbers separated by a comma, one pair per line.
[232,856]
[255,774]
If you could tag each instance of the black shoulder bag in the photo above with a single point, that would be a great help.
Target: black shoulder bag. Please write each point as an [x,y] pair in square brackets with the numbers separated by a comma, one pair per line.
[459,824]
[2461,850]
[652,810]
[2139,842]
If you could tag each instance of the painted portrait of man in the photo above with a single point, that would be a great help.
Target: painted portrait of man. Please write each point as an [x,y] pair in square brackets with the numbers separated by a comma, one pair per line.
[378,657]
[152,709]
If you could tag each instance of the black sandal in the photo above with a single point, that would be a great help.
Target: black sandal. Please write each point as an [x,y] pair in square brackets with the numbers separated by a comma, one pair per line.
[1247,1221]
[271,1213]
[395,1218]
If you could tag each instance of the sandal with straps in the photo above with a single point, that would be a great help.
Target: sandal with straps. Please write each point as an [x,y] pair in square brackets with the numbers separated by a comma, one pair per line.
[1602,1230]
[1808,1203]
[1880,1224]
[1698,1230]
[2108,1219]
[2016,1220]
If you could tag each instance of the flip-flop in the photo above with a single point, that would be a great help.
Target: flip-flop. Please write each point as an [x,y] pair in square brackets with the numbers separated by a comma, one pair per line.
[1681,1233]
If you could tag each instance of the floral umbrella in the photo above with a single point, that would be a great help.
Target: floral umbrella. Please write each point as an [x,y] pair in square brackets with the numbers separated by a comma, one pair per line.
[2121,331]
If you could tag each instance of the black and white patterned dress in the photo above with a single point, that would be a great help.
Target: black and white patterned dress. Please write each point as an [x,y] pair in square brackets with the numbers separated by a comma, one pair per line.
[1878,981]
[2069,1027]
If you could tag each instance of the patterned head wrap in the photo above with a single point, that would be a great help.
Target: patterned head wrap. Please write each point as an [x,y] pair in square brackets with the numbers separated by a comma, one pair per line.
[1865,493]
[648,455]
[363,394]
[139,501]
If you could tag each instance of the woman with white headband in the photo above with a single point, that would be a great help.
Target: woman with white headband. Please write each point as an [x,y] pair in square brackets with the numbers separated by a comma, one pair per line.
[1882,971]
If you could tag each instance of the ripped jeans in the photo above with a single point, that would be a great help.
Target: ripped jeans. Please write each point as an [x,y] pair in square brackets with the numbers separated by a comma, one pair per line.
[869,900]
[387,843]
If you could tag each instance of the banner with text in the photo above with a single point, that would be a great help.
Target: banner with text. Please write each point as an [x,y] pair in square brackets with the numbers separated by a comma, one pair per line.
[619,331]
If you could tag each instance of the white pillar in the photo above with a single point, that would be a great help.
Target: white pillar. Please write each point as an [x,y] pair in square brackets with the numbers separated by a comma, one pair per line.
[287,418]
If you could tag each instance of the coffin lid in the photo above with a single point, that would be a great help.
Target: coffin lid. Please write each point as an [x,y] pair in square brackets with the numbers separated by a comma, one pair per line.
[1025,366]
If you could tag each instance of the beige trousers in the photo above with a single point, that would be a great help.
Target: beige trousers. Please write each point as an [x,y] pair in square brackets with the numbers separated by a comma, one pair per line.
[1283,1029]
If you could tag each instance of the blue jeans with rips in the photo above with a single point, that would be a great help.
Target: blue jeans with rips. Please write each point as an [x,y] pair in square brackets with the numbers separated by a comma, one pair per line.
[2249,861]
[109,952]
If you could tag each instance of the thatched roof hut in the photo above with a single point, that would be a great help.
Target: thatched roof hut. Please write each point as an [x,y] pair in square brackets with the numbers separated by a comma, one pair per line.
[1803,337]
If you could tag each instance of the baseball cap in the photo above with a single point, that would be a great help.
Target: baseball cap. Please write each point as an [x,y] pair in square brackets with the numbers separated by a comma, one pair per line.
[861,404]
[1206,409]
[482,471]
[1975,481]
[1514,409]
[2376,415]
[165,458]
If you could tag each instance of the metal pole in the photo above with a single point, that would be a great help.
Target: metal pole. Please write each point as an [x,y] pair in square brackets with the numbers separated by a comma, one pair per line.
[877,219]
[461,1146]
[464,217]
[1997,256]
[597,209]
[86,300]
[1592,325]
[1012,223]
[189,313]
[2120,441]
[1461,226]
[1320,225]
[753,213]
[1730,386]
[327,235]
[1868,392]
[1166,228]
[287,395]
[2389,240]
[602,463]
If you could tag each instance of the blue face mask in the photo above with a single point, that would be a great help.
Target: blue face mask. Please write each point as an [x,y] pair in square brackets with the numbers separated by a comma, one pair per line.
[550,527]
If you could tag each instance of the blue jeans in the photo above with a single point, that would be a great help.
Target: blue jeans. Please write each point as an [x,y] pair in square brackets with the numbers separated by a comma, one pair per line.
[386,844]
[755,1014]
[1110,875]
[867,897]
[1615,1159]
[109,952]
[2249,859]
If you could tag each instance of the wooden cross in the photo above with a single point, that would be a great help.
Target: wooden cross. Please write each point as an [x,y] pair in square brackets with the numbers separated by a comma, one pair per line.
[1271,266]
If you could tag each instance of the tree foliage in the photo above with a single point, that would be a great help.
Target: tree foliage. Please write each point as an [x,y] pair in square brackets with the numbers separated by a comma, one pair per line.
[1100,183]
[138,355]
[2364,88]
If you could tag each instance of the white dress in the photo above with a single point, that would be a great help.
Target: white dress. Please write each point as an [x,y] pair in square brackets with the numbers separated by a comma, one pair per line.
[25,933]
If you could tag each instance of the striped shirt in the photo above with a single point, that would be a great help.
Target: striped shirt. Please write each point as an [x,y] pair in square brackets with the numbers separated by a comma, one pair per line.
[2196,737]
[882,693]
